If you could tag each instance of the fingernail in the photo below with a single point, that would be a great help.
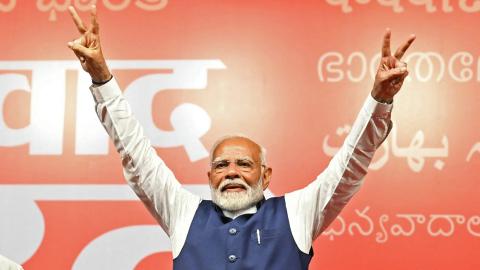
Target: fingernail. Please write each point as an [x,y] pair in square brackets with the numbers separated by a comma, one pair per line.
[403,69]
[70,44]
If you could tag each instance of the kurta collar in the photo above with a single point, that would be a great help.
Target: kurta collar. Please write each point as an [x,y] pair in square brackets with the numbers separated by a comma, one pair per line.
[233,215]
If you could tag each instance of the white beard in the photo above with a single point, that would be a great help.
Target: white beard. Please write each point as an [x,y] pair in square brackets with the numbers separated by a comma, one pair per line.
[237,201]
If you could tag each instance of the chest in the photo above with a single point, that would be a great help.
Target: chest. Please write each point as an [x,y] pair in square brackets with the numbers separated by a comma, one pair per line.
[259,241]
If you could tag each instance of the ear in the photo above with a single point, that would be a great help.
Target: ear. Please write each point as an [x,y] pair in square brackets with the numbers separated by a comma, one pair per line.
[208,174]
[267,174]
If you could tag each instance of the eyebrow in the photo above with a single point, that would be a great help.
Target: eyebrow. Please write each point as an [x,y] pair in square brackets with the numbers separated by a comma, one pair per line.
[242,158]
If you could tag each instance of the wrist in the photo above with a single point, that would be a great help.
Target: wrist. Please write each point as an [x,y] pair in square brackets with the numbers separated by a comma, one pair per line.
[99,71]
[385,101]
[100,74]
[382,99]
[102,81]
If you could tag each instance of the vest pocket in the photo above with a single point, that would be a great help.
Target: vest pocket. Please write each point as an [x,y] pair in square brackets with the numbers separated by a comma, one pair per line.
[264,235]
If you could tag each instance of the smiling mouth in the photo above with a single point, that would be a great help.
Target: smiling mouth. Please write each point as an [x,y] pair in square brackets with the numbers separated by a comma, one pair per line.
[233,188]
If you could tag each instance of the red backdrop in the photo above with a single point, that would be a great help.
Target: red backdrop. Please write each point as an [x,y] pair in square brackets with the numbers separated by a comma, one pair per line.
[291,74]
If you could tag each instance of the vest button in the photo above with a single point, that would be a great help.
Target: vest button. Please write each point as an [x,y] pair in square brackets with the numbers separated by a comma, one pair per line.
[232,258]
[232,231]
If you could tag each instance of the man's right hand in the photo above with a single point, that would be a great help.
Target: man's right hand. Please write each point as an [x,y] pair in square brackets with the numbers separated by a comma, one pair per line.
[87,47]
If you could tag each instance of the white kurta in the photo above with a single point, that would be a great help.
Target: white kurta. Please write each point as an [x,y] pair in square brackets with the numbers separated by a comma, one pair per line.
[310,210]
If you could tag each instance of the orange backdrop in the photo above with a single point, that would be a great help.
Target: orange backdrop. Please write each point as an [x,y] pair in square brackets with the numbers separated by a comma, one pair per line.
[291,74]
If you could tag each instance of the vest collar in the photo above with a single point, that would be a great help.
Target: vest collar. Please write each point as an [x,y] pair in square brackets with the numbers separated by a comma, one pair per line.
[233,215]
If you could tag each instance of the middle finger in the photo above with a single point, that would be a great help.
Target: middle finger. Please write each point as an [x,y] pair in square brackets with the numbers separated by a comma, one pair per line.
[403,48]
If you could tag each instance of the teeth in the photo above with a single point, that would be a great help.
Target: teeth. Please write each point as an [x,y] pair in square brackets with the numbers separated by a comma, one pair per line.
[233,186]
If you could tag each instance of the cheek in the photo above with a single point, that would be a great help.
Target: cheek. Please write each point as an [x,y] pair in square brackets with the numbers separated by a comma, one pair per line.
[252,179]
[215,180]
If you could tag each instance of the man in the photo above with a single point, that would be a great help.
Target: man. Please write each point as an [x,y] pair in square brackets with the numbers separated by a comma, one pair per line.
[239,229]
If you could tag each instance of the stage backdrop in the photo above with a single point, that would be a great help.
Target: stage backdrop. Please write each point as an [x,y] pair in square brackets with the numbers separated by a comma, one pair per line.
[290,74]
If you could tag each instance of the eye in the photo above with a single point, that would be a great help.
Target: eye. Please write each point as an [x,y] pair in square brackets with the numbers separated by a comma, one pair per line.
[220,164]
[244,164]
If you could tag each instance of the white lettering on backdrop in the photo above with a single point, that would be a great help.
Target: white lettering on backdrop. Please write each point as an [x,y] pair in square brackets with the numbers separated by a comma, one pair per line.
[47,88]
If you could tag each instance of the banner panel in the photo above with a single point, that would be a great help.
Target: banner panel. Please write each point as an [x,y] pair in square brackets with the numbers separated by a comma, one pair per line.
[290,74]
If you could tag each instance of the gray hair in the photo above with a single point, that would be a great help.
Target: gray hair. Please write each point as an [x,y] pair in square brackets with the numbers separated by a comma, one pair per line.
[263,151]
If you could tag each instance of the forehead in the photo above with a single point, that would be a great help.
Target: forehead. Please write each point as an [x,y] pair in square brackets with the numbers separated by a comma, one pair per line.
[237,148]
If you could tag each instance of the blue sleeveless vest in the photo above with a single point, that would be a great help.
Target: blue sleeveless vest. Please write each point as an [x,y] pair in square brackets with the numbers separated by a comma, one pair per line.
[252,241]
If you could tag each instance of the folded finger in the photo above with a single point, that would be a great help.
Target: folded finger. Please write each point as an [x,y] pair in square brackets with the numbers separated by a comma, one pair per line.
[80,51]
[399,64]
[396,73]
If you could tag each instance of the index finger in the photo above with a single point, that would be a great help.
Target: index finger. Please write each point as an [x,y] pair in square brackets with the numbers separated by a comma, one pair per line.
[404,47]
[76,19]
[386,44]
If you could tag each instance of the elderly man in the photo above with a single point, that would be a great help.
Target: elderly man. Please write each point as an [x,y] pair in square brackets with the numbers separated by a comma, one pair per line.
[239,229]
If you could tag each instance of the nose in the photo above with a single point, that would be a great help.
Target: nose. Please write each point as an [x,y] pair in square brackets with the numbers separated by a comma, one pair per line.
[232,171]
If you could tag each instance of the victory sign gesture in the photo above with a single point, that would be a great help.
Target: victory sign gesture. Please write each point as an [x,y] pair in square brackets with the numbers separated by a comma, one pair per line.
[391,72]
[87,47]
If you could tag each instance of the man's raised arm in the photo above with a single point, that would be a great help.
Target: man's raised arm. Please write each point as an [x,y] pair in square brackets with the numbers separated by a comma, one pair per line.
[146,173]
[311,209]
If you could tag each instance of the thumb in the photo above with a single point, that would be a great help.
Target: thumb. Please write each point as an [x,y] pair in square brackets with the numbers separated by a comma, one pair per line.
[80,51]
[394,73]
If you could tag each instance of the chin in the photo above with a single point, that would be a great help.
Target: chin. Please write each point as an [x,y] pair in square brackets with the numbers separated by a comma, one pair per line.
[237,199]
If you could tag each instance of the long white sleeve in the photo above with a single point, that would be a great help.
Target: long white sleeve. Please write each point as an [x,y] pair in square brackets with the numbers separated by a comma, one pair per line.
[311,209]
[154,183]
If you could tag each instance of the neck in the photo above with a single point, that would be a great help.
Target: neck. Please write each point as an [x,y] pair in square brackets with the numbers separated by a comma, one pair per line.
[237,213]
